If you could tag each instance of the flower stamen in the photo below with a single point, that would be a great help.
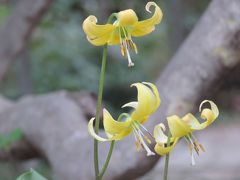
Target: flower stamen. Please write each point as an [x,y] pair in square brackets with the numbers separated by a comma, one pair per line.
[193,144]
[126,43]
[141,138]
[201,147]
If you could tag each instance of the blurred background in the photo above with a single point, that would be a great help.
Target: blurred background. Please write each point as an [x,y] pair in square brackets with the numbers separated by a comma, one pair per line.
[58,57]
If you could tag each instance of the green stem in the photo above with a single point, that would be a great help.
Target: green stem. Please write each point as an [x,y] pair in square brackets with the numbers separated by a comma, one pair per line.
[165,176]
[107,160]
[99,105]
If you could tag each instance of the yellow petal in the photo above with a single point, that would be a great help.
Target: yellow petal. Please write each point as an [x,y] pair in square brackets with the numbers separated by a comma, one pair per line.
[155,92]
[93,133]
[111,137]
[209,115]
[127,17]
[162,149]
[148,101]
[161,139]
[133,104]
[178,127]
[114,127]
[214,111]
[159,135]
[192,121]
[114,38]
[145,27]
[97,34]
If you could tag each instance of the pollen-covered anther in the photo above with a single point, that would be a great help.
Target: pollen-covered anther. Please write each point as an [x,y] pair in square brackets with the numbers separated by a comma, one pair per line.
[138,145]
[201,147]
[196,147]
[147,139]
[132,45]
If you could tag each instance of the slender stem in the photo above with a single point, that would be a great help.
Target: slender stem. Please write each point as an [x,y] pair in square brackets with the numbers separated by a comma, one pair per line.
[165,177]
[107,160]
[99,105]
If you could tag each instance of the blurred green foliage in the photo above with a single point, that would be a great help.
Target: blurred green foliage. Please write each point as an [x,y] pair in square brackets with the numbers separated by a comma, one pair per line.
[4,12]
[6,140]
[62,58]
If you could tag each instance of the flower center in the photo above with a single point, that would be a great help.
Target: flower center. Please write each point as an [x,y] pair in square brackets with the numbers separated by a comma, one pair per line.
[126,43]
[141,135]
[193,144]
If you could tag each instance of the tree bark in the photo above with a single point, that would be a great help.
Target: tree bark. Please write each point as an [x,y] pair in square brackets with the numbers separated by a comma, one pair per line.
[18,28]
[210,52]
[24,79]
[57,128]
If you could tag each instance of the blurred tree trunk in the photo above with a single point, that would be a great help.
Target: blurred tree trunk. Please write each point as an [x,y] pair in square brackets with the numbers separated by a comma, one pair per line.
[177,30]
[24,72]
[18,29]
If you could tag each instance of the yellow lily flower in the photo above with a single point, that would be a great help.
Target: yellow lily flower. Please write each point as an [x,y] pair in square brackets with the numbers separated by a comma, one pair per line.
[147,103]
[180,127]
[184,127]
[122,30]
[162,147]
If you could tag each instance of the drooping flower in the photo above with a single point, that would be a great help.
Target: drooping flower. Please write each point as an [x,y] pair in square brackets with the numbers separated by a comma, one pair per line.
[122,30]
[147,103]
[184,127]
[162,146]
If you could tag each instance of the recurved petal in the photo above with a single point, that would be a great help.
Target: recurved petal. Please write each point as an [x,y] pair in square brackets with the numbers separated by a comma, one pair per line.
[111,137]
[178,127]
[159,135]
[163,149]
[93,133]
[147,102]
[114,127]
[133,104]
[97,34]
[209,115]
[142,28]
[192,121]
[214,110]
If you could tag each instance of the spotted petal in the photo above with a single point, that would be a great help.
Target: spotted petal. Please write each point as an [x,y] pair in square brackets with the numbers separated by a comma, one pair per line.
[98,35]
[145,27]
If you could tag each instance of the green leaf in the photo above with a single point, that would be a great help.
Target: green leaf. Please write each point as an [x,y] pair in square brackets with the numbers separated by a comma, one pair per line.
[31,175]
